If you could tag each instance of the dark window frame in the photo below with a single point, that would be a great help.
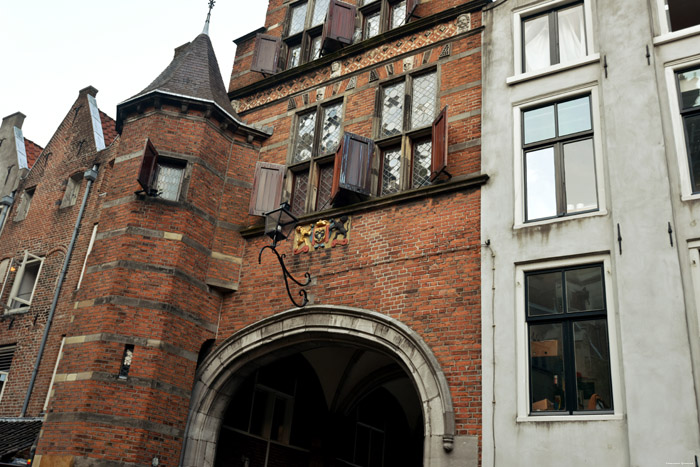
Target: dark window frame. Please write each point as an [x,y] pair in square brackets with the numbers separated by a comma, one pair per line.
[303,38]
[408,136]
[314,165]
[557,143]
[567,320]
[687,113]
[551,13]
[384,7]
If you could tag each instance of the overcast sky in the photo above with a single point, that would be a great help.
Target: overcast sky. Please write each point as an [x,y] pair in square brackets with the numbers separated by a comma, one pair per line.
[54,48]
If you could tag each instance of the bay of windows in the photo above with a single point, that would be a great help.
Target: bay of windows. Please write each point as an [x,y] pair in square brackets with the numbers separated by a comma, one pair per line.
[316,139]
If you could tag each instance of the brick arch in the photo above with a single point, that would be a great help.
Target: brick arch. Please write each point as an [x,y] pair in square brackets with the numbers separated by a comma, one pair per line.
[221,372]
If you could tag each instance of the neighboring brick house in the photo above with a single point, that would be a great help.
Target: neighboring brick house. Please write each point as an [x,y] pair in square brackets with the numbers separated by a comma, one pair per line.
[173,340]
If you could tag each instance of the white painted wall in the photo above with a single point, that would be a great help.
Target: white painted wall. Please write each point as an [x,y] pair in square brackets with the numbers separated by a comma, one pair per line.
[652,320]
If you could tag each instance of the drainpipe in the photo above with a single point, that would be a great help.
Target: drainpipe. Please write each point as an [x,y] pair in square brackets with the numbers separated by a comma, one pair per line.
[90,176]
[5,204]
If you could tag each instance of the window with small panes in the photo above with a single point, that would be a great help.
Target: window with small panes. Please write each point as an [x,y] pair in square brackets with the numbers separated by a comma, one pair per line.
[316,136]
[407,108]
[379,16]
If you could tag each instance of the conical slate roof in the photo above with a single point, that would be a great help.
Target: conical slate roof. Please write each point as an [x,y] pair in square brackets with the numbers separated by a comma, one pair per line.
[194,72]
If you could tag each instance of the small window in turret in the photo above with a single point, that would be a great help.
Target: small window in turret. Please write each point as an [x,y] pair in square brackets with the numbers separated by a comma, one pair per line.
[168,179]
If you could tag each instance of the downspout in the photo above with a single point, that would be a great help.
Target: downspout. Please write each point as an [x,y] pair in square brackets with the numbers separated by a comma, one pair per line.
[90,175]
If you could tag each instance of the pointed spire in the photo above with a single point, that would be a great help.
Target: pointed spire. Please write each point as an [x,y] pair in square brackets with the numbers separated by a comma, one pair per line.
[206,23]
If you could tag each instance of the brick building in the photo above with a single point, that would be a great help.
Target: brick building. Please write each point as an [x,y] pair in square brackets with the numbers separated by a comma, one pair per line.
[143,322]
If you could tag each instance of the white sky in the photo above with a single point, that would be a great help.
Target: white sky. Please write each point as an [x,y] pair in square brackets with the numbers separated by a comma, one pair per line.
[54,48]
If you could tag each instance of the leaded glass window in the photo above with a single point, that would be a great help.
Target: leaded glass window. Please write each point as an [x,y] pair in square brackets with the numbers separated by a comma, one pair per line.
[391,171]
[297,19]
[422,157]
[305,137]
[168,180]
[424,100]
[372,25]
[392,109]
[330,131]
[320,11]
[398,14]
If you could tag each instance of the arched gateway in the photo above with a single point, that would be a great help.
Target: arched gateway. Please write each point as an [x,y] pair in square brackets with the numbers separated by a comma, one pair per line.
[324,386]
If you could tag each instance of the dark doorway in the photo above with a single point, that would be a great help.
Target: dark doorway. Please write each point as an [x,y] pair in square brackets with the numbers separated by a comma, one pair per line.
[321,407]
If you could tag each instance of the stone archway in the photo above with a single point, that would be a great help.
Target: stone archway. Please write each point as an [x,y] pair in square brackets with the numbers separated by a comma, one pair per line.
[222,372]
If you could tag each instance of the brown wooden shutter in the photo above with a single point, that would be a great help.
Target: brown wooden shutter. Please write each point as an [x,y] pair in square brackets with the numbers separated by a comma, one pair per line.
[339,26]
[148,166]
[353,165]
[410,9]
[267,188]
[683,13]
[439,159]
[266,55]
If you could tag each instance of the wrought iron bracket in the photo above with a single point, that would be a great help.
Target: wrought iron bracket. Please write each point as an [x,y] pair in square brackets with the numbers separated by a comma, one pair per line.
[287,275]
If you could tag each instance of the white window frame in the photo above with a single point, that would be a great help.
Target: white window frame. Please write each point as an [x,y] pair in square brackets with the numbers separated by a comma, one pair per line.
[694,253]
[87,255]
[28,259]
[53,376]
[4,385]
[520,13]
[519,176]
[677,126]
[665,33]
[522,340]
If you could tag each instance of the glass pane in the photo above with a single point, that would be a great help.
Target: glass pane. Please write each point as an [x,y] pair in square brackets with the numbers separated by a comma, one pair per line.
[572,34]
[315,48]
[262,405]
[294,56]
[371,25]
[539,124]
[392,110]
[279,413]
[579,172]
[541,193]
[682,14]
[689,83]
[398,14]
[391,171]
[320,11]
[376,453]
[544,294]
[547,368]
[692,132]
[574,116]
[168,181]
[424,100]
[367,2]
[584,289]
[298,18]
[305,137]
[422,158]
[594,389]
[301,185]
[536,43]
[330,131]
[325,186]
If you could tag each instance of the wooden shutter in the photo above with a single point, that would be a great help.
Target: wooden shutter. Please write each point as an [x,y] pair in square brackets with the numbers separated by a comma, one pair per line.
[148,166]
[410,9]
[267,53]
[267,188]
[339,26]
[683,13]
[352,169]
[439,159]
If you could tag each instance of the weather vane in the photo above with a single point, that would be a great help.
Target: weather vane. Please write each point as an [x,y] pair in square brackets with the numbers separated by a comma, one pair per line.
[206,23]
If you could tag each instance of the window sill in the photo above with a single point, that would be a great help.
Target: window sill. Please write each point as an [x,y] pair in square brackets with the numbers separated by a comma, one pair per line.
[519,78]
[676,35]
[691,197]
[524,225]
[568,418]
[18,311]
